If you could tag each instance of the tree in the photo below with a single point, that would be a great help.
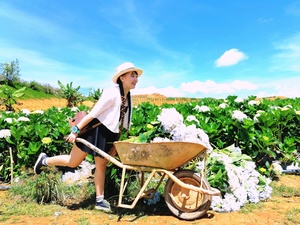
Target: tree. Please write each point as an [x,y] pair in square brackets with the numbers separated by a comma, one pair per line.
[71,94]
[10,72]
[10,97]
[96,94]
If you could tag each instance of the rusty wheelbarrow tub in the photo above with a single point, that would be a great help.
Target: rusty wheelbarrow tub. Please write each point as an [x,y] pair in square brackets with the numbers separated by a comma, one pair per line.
[187,193]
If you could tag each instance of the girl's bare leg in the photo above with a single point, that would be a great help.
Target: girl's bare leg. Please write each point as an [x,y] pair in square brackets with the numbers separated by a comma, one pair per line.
[73,160]
[99,176]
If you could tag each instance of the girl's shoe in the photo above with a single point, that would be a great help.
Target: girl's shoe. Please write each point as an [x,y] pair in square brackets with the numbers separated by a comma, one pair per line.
[103,205]
[39,163]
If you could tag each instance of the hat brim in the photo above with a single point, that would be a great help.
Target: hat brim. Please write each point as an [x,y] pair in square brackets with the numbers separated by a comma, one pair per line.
[115,77]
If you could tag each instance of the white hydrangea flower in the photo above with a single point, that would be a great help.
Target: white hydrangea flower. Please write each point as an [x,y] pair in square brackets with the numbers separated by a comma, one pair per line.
[192,118]
[202,108]
[253,194]
[276,167]
[222,158]
[243,187]
[255,118]
[234,149]
[4,133]
[172,122]
[228,204]
[179,133]
[25,111]
[223,105]
[249,167]
[239,100]
[239,115]
[287,107]
[23,118]
[200,165]
[39,111]
[169,119]
[266,193]
[9,120]
[191,134]
[216,204]
[254,102]
[258,114]
[274,107]
[160,139]
[237,150]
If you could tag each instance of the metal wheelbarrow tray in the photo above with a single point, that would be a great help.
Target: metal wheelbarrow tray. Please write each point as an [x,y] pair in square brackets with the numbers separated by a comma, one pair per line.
[187,193]
[165,155]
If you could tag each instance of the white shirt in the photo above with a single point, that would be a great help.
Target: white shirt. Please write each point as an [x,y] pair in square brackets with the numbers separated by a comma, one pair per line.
[107,109]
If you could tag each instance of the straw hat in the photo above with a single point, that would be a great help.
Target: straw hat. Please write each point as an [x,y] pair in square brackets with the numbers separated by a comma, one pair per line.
[124,68]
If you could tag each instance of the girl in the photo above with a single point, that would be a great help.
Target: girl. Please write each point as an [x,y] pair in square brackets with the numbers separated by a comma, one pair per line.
[113,111]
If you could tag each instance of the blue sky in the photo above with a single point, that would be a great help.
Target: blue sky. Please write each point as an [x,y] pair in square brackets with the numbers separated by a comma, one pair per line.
[187,48]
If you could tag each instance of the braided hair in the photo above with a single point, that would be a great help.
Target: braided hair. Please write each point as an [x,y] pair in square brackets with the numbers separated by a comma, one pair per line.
[123,107]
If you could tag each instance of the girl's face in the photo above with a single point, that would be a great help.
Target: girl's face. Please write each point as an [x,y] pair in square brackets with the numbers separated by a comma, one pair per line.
[129,80]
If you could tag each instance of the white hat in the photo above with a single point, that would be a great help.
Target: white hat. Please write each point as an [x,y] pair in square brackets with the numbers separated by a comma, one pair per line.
[124,68]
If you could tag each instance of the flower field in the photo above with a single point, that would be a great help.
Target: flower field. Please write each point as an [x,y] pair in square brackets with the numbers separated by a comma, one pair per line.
[243,137]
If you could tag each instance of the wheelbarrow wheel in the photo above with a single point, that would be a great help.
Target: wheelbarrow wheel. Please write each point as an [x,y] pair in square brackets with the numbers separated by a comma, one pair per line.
[184,203]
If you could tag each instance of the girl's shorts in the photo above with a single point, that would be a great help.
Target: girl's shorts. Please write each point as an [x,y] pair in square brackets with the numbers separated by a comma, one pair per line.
[100,136]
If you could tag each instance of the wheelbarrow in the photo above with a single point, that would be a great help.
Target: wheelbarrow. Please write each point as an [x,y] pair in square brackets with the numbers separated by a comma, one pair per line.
[187,194]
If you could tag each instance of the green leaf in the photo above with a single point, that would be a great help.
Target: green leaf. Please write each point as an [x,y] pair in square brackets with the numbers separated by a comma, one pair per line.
[34,147]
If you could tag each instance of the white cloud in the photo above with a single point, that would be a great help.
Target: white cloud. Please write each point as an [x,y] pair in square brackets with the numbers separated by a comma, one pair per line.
[211,87]
[196,88]
[205,87]
[288,88]
[167,91]
[230,57]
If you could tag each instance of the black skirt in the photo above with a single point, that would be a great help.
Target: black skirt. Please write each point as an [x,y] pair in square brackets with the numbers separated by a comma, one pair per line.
[100,136]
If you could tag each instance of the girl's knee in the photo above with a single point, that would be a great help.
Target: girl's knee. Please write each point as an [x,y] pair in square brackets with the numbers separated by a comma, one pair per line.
[100,162]
[73,165]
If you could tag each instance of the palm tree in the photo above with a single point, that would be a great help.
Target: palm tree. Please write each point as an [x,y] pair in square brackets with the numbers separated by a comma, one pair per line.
[71,94]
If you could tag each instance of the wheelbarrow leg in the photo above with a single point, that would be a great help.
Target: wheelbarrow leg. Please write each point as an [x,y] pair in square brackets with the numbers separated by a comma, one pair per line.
[139,195]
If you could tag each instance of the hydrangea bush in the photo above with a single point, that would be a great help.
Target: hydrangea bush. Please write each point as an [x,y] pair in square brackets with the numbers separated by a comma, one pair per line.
[236,175]
[228,170]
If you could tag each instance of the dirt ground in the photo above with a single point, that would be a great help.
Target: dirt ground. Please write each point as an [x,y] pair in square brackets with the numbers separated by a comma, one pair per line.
[275,211]
[43,104]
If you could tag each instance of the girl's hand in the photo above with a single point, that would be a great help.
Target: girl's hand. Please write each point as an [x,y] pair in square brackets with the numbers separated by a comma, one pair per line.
[72,137]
